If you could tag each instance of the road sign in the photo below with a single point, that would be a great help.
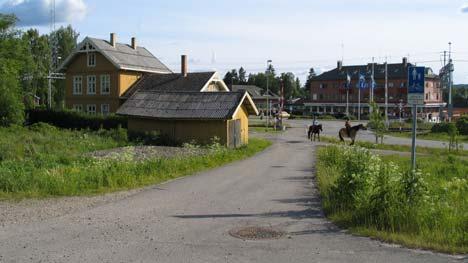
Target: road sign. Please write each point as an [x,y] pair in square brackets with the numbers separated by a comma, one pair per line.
[416,85]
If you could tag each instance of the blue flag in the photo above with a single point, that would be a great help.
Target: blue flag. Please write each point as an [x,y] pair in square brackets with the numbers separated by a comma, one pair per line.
[348,81]
[362,81]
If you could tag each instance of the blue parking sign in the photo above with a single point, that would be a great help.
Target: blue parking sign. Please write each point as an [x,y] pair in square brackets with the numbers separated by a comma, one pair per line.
[416,82]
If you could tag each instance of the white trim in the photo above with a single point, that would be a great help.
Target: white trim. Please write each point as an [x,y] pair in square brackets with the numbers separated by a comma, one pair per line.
[81,85]
[246,95]
[88,55]
[76,106]
[87,108]
[102,109]
[87,85]
[101,82]
[214,78]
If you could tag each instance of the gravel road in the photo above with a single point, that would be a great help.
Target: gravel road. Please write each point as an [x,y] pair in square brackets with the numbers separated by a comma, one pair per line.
[189,220]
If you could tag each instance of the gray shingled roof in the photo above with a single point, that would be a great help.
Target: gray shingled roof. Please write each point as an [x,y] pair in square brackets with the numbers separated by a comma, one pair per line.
[123,56]
[170,82]
[395,71]
[254,91]
[183,105]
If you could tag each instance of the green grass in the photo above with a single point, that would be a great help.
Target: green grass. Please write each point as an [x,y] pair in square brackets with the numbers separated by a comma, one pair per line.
[265,130]
[45,161]
[377,196]
[396,147]
[430,136]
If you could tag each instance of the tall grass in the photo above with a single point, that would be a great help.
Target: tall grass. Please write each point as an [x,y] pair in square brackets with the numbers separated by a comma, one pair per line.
[45,161]
[379,196]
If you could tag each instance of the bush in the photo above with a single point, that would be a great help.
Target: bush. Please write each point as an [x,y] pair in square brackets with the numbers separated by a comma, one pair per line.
[442,127]
[462,125]
[75,120]
[327,117]
[11,105]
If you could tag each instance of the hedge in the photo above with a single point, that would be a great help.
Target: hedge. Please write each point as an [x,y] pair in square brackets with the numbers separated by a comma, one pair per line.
[75,120]
[462,125]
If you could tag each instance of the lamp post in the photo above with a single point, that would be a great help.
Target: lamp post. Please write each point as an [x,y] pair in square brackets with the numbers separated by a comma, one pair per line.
[268,91]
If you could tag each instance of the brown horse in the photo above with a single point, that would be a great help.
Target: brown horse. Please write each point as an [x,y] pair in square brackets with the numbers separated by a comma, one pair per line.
[314,130]
[343,133]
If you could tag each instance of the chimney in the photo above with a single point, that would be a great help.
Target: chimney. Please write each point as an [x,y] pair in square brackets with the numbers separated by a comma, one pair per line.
[339,65]
[405,61]
[134,45]
[113,39]
[184,66]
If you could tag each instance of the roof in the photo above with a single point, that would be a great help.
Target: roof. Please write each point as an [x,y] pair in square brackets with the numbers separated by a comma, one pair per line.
[186,105]
[395,71]
[122,56]
[254,91]
[171,82]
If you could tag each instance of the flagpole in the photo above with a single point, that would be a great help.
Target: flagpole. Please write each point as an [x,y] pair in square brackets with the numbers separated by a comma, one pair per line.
[348,83]
[359,103]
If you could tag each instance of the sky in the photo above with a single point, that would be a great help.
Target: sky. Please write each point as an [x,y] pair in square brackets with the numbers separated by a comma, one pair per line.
[295,34]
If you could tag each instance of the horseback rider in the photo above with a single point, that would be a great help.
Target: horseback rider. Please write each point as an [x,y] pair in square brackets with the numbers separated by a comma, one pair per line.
[348,126]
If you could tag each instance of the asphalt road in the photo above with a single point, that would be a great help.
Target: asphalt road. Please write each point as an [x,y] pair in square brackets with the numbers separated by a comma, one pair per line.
[189,220]
[331,128]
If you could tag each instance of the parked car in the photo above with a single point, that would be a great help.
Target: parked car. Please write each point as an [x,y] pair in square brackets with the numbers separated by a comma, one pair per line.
[284,114]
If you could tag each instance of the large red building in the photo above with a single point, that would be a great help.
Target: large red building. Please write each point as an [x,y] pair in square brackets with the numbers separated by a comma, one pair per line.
[328,90]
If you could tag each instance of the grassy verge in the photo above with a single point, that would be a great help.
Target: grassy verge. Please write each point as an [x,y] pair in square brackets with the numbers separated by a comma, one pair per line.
[430,136]
[264,129]
[377,196]
[45,161]
[398,148]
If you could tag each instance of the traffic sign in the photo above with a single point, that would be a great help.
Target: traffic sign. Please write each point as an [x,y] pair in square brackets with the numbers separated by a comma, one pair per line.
[416,85]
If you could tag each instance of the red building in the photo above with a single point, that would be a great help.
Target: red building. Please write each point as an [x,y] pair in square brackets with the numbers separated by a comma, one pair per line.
[328,90]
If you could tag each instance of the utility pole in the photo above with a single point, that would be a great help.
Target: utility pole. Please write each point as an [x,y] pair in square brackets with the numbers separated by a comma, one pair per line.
[54,56]
[450,105]
[371,97]
[348,84]
[268,91]
[386,92]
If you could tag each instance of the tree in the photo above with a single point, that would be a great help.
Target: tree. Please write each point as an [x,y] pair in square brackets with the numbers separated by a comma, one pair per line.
[453,136]
[242,76]
[231,77]
[67,40]
[377,122]
[311,75]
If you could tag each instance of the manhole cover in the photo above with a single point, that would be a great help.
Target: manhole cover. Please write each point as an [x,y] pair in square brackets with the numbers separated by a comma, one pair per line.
[256,233]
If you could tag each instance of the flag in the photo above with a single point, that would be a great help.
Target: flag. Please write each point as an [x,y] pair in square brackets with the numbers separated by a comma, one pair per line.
[362,82]
[348,81]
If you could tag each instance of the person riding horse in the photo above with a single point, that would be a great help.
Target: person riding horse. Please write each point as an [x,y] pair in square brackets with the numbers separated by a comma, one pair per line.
[347,126]
[350,132]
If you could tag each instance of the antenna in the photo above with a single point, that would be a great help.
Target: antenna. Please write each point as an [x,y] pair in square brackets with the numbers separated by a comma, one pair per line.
[53,75]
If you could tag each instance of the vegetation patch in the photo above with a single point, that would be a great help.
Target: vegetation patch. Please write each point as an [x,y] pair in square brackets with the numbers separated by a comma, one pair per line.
[381,197]
[44,161]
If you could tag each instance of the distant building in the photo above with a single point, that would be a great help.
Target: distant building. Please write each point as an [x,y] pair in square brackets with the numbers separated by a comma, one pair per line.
[259,96]
[328,90]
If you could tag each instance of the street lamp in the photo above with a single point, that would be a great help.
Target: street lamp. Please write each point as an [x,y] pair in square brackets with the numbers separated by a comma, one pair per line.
[268,91]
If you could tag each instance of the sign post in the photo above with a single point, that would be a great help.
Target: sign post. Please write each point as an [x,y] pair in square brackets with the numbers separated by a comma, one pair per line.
[415,97]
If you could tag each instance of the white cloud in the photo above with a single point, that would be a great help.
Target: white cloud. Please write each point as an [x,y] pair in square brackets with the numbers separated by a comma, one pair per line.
[464,8]
[37,12]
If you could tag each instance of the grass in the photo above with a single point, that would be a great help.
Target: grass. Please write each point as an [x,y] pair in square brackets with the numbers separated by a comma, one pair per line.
[377,196]
[396,147]
[264,129]
[443,136]
[44,161]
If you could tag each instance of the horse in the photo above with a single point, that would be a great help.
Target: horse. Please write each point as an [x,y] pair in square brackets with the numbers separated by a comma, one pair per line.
[314,130]
[343,133]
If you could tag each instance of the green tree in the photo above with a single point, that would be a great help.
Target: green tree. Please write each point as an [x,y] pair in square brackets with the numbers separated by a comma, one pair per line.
[377,122]
[67,40]
[311,75]
[453,136]
[242,76]
[36,82]
[231,77]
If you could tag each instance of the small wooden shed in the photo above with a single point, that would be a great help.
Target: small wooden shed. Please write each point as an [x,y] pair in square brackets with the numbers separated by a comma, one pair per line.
[191,116]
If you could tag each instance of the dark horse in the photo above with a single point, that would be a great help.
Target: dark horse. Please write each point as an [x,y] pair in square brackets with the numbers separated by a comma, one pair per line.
[314,130]
[343,133]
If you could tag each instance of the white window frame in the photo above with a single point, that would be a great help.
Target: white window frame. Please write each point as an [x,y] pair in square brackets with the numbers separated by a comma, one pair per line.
[77,85]
[102,109]
[105,82]
[91,59]
[88,82]
[88,108]
[78,107]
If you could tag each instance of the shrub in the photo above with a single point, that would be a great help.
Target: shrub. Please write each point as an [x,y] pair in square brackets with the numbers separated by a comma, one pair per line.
[462,125]
[75,120]
[442,127]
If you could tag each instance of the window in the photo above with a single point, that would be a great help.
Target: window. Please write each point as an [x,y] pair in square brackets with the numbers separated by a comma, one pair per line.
[105,84]
[437,96]
[78,107]
[77,85]
[91,108]
[314,96]
[323,86]
[91,59]
[105,109]
[427,96]
[91,84]
[390,84]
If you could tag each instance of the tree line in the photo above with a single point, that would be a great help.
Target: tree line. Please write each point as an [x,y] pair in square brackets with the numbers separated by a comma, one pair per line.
[292,84]
[25,63]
